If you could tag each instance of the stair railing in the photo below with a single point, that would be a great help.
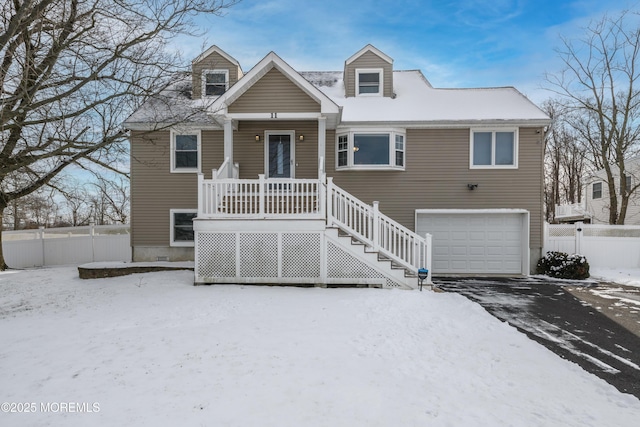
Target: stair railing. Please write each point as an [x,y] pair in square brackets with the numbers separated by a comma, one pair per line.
[376,230]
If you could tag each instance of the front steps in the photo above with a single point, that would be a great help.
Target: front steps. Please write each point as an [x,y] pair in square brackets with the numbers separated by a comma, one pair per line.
[275,251]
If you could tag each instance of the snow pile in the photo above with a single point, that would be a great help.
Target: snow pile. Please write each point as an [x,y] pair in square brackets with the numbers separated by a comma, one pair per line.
[152,349]
[621,276]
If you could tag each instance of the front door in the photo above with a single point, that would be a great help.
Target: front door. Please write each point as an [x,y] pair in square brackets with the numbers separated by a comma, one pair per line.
[279,155]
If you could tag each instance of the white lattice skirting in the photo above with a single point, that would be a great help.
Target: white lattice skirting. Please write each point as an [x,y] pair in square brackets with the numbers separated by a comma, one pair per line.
[283,256]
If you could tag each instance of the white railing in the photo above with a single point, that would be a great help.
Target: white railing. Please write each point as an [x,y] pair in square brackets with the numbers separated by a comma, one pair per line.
[223,171]
[377,230]
[319,199]
[571,210]
[260,198]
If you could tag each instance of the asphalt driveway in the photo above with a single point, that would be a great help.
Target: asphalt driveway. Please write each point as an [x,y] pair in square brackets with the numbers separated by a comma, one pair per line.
[568,320]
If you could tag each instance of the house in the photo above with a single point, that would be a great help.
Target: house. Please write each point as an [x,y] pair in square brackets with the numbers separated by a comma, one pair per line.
[357,176]
[594,207]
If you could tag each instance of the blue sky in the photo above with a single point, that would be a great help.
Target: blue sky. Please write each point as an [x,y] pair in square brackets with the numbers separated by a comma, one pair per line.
[465,43]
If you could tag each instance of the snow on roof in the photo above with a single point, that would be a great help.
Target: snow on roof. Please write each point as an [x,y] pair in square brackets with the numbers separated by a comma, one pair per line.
[417,101]
[172,105]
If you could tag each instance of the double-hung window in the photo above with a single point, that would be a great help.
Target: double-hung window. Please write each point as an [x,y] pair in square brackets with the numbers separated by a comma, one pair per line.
[185,151]
[494,148]
[181,233]
[215,82]
[596,190]
[627,179]
[369,82]
[370,149]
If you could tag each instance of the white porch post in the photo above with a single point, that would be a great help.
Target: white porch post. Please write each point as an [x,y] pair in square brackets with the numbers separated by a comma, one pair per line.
[375,228]
[322,141]
[228,145]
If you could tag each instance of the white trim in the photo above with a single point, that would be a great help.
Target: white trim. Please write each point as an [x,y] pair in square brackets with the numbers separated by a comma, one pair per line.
[380,73]
[369,48]
[172,242]
[292,154]
[172,145]
[203,77]
[391,132]
[274,116]
[493,131]
[221,52]
[327,105]
[526,226]
[601,190]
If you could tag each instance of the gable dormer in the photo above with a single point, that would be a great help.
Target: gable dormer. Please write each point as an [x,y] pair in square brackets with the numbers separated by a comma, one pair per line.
[213,73]
[369,72]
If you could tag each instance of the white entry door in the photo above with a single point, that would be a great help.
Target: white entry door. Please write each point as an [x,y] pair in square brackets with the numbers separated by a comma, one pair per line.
[279,155]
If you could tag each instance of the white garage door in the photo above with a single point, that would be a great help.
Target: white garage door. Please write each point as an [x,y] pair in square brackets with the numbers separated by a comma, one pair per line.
[477,242]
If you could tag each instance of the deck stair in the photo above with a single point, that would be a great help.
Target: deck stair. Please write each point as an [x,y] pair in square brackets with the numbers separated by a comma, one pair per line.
[306,231]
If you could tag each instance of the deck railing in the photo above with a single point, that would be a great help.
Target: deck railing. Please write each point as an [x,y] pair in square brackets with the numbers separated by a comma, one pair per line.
[260,198]
[314,198]
[570,210]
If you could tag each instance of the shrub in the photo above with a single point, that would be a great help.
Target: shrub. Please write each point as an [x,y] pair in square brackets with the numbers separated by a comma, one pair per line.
[563,266]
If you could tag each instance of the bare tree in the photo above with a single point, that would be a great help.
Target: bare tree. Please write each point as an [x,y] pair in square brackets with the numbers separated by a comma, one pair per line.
[598,88]
[564,161]
[70,73]
[110,202]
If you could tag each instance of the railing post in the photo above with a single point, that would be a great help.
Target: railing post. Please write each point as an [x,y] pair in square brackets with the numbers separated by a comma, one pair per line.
[92,229]
[578,235]
[375,235]
[41,235]
[329,197]
[428,256]
[261,193]
[201,194]
[322,195]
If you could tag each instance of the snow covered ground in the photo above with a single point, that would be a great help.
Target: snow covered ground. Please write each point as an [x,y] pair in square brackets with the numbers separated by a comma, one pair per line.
[622,276]
[151,349]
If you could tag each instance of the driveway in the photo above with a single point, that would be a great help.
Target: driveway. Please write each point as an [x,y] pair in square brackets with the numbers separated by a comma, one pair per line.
[569,320]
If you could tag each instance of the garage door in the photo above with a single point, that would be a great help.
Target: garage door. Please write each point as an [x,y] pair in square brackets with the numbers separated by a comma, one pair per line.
[475,242]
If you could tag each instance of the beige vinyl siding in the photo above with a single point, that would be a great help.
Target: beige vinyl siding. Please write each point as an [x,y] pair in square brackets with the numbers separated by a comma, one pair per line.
[436,177]
[274,92]
[368,60]
[215,61]
[249,154]
[154,190]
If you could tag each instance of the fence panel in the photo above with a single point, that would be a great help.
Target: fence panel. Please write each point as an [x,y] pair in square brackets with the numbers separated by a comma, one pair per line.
[605,246]
[71,245]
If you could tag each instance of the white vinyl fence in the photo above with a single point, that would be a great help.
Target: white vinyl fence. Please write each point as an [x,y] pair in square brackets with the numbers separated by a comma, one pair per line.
[69,245]
[605,246]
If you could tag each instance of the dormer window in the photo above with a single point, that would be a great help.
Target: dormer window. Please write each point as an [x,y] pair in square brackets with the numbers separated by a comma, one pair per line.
[369,82]
[215,82]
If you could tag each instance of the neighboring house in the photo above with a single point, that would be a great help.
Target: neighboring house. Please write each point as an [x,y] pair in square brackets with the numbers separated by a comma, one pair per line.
[594,208]
[273,176]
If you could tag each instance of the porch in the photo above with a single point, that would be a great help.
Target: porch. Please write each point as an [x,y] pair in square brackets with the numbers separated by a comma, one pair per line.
[306,231]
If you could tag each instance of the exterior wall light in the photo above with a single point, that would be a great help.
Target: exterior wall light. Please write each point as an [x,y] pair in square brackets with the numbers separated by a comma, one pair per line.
[257,138]
[301,138]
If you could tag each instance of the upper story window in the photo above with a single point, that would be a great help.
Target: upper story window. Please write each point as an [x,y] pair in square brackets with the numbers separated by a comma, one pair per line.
[181,233]
[371,150]
[494,149]
[627,178]
[215,82]
[596,190]
[369,82]
[185,151]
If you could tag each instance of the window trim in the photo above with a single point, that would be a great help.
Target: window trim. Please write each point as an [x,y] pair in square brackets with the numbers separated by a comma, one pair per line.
[493,131]
[629,183]
[593,190]
[172,165]
[172,241]
[379,71]
[391,132]
[204,81]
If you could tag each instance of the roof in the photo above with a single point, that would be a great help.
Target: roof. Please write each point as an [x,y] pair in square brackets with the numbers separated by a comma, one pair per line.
[417,102]
[369,48]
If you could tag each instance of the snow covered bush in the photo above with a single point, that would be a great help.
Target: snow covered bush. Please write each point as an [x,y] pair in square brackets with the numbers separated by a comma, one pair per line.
[563,266]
